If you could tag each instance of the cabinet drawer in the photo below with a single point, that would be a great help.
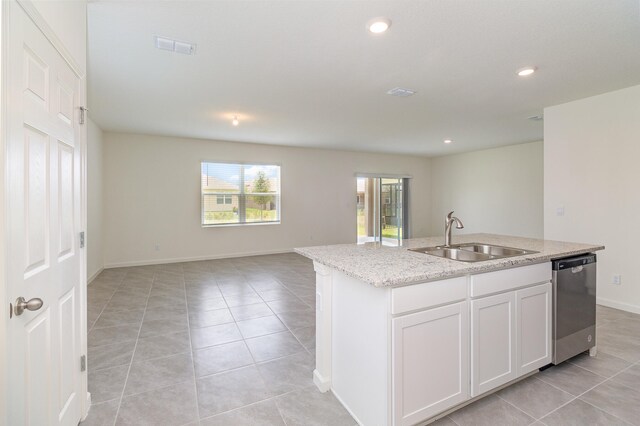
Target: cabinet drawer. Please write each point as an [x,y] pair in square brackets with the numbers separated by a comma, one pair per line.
[509,279]
[427,295]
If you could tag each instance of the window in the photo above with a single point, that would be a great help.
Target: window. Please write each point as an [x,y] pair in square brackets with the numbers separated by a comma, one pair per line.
[234,193]
[224,199]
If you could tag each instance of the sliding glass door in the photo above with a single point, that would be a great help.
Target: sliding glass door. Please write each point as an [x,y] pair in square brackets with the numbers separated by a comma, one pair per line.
[380,210]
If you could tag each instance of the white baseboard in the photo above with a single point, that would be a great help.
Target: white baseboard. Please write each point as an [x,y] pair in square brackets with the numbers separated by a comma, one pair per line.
[618,305]
[88,406]
[192,259]
[94,276]
[323,384]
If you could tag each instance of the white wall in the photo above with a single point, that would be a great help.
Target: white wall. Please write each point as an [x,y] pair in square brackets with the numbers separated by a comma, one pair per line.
[592,169]
[95,206]
[495,190]
[152,194]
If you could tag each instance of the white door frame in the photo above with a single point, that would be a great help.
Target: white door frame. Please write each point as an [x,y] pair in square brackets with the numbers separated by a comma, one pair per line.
[48,32]
[4,320]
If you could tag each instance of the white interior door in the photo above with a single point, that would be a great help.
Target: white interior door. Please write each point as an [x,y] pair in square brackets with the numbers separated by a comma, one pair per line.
[43,222]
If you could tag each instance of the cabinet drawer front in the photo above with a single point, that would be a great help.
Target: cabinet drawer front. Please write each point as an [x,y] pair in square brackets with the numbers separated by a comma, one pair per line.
[429,362]
[509,279]
[427,295]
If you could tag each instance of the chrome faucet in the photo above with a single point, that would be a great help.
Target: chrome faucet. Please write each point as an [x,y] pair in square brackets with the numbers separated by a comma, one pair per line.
[448,221]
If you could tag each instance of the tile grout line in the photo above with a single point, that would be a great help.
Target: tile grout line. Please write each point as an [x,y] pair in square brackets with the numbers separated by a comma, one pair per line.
[104,306]
[256,403]
[193,356]
[255,363]
[578,397]
[115,420]
[591,371]
[517,408]
[605,411]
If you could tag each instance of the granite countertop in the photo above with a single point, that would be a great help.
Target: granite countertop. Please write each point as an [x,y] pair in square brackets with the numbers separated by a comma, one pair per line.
[385,266]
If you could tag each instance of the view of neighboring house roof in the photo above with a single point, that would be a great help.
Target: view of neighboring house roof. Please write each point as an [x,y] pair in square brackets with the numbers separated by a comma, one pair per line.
[214,184]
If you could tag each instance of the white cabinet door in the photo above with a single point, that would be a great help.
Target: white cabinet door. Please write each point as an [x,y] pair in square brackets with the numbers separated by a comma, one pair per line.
[533,307]
[429,362]
[493,342]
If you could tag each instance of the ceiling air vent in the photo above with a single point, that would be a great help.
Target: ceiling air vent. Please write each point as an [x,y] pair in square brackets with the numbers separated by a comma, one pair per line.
[399,91]
[171,45]
[536,117]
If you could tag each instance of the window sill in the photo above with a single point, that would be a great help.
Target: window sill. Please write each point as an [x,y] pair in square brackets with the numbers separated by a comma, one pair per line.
[229,225]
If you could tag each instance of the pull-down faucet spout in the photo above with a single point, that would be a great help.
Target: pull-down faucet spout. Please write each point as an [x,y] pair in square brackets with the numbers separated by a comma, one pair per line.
[448,221]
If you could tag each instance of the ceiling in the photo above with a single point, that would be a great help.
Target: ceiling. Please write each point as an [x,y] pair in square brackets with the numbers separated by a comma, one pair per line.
[309,73]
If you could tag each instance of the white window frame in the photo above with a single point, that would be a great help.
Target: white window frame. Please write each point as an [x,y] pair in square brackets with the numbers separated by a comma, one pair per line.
[242,195]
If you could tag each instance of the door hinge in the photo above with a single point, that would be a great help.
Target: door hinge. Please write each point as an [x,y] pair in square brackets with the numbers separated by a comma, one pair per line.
[82,239]
[83,363]
[83,112]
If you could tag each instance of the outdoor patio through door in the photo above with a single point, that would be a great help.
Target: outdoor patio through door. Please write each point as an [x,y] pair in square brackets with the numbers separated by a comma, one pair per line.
[380,210]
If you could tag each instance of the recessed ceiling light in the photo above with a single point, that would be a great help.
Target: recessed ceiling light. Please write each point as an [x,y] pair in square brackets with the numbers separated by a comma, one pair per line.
[523,72]
[448,141]
[235,121]
[379,25]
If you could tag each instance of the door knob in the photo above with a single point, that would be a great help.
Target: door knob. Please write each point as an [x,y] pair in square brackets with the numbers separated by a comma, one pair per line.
[30,305]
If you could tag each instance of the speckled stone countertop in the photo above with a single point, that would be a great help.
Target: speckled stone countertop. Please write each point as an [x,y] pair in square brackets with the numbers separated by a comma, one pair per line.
[384,266]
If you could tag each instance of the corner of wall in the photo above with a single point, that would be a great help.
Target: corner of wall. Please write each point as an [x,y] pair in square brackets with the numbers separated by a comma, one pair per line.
[95,200]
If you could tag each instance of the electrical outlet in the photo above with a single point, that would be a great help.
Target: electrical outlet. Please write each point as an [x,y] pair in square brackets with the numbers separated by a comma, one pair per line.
[560,211]
[617,280]
[157,247]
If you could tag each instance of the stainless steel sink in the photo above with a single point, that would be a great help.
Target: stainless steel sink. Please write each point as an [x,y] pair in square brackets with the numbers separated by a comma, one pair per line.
[454,254]
[494,250]
[473,252]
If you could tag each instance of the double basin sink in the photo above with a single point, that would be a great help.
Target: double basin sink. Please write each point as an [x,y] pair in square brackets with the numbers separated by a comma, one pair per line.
[473,252]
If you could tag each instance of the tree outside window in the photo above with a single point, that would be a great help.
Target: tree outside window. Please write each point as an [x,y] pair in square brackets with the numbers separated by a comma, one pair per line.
[262,185]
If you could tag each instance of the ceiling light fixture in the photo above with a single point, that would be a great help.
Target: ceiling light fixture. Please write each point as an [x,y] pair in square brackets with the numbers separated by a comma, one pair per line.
[379,25]
[401,92]
[523,72]
[448,141]
[235,121]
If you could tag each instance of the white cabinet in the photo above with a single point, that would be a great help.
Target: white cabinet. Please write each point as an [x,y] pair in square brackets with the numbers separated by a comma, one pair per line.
[400,356]
[429,362]
[510,330]
[493,342]
[533,311]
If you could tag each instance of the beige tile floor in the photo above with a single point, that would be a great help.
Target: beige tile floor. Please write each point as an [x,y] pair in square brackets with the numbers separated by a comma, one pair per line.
[231,342]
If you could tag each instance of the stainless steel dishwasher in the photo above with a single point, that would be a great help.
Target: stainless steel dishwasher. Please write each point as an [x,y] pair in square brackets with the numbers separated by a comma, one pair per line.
[574,306]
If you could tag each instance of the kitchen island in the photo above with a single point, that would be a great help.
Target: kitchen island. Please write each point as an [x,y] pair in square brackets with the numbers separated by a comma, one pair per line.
[403,337]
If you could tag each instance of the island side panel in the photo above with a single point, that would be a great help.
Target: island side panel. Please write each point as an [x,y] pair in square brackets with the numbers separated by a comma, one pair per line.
[361,349]
[322,373]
